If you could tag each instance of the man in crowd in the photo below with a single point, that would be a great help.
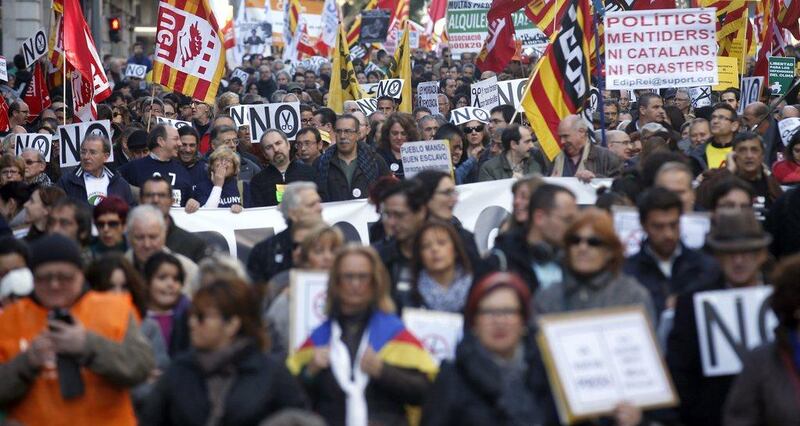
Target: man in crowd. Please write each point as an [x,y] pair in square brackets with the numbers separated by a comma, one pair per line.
[748,164]
[73,219]
[578,157]
[131,148]
[325,120]
[189,155]
[731,97]
[386,105]
[699,132]
[267,187]
[611,115]
[500,117]
[619,143]
[444,105]
[683,101]
[93,181]
[308,143]
[35,166]
[651,110]
[515,160]
[201,121]
[18,114]
[713,153]
[427,125]
[677,177]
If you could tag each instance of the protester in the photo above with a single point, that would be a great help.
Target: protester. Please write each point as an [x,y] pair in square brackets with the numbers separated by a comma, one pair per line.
[651,110]
[308,145]
[93,181]
[109,218]
[677,177]
[35,167]
[189,155]
[787,171]
[38,208]
[219,267]
[515,160]
[13,197]
[222,188]
[12,169]
[398,129]
[712,154]
[266,188]
[578,157]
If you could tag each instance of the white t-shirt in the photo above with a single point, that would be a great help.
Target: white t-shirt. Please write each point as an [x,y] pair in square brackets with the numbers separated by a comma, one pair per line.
[96,187]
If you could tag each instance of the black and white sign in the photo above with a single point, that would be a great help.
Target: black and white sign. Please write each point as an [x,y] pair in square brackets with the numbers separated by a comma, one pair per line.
[240,115]
[511,91]
[284,116]
[72,135]
[369,89]
[307,295]
[172,122]
[787,128]
[374,26]
[701,96]
[136,71]
[484,94]
[37,141]
[428,95]
[3,69]
[729,324]
[392,88]
[242,75]
[367,105]
[34,48]
[751,91]
[462,115]
[424,155]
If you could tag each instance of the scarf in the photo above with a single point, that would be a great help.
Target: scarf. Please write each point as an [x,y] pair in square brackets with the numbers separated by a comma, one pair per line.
[558,164]
[440,298]
[349,375]
[367,167]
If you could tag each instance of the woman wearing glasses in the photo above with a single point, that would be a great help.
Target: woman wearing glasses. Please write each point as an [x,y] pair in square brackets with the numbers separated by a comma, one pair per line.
[477,137]
[398,129]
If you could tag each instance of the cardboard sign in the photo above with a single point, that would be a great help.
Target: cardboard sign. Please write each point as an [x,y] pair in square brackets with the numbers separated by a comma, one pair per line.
[3,69]
[34,48]
[367,105]
[701,96]
[428,96]
[240,115]
[751,91]
[781,74]
[172,122]
[308,291]
[787,128]
[242,75]
[424,155]
[374,26]
[369,89]
[462,115]
[136,71]
[598,358]
[729,324]
[40,142]
[484,94]
[392,88]
[284,116]
[728,68]
[660,48]
[72,136]
[694,227]
[438,331]
[510,92]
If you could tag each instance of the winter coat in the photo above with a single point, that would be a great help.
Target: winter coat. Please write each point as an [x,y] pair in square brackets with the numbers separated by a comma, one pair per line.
[271,256]
[498,168]
[333,186]
[186,243]
[263,186]
[783,222]
[512,253]
[75,187]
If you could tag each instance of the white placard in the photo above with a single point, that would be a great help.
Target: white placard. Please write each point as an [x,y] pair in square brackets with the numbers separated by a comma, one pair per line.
[3,69]
[240,115]
[787,128]
[284,116]
[597,359]
[428,96]
[172,122]
[510,92]
[242,75]
[136,71]
[425,155]
[730,323]
[392,88]
[307,296]
[462,115]
[38,141]
[694,227]
[750,91]
[71,136]
[438,331]
[367,105]
[34,48]
[484,94]
[700,96]
[413,38]
[661,48]
[369,89]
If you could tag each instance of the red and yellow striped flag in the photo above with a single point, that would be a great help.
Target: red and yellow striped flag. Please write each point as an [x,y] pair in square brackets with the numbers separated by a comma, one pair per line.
[354,33]
[190,55]
[547,14]
[560,82]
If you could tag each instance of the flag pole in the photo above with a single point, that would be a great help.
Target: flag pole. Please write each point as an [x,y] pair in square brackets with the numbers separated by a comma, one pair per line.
[64,84]
[527,87]
[600,82]
[152,99]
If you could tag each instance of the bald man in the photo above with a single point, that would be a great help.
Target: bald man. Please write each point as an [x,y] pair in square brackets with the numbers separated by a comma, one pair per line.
[619,143]
[579,158]
[754,117]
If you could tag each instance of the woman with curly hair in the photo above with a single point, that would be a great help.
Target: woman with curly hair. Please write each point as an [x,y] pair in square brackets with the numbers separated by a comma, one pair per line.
[398,129]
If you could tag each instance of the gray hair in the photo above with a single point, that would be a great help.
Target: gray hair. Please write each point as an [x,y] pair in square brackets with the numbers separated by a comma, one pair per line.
[39,155]
[277,96]
[94,137]
[291,196]
[652,128]
[674,166]
[220,265]
[145,212]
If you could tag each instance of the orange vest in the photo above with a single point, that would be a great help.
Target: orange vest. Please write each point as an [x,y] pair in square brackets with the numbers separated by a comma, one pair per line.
[104,314]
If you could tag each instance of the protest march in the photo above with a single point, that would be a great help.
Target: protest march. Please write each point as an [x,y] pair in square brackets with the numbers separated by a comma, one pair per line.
[386,212]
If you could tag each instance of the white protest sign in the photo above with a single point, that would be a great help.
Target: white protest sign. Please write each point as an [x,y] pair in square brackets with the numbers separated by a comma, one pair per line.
[392,88]
[750,91]
[439,332]
[413,38]
[240,115]
[787,128]
[701,96]
[729,324]
[136,71]
[172,122]
[424,155]
[428,96]
[369,89]
[71,137]
[367,105]
[40,142]
[3,69]
[661,48]
[34,48]
[596,359]
[510,92]
[308,291]
[284,116]
[242,75]
[483,94]
[462,115]
[694,227]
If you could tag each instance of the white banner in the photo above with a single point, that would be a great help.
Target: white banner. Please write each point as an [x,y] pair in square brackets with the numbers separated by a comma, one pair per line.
[424,155]
[661,48]
[484,94]
[428,95]
[438,331]
[37,141]
[71,137]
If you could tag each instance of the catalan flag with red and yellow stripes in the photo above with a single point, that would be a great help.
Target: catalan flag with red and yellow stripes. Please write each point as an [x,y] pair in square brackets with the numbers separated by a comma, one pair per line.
[354,33]
[190,55]
[56,44]
[561,81]
[547,14]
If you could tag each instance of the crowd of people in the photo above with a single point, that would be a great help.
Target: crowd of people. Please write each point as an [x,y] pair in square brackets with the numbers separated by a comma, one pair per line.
[111,313]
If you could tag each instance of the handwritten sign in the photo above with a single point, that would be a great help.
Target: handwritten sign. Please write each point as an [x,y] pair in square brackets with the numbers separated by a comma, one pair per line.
[37,141]
[728,73]
[428,95]
[425,155]
[438,331]
[484,94]
[308,291]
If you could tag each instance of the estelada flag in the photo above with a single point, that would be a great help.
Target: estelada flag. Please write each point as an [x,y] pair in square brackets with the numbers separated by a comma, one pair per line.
[499,46]
[344,85]
[36,96]
[561,81]
[190,54]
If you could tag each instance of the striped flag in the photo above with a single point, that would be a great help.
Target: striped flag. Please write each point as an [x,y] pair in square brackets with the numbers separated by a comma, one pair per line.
[547,14]
[789,15]
[56,44]
[560,83]
[354,33]
[190,56]
[291,17]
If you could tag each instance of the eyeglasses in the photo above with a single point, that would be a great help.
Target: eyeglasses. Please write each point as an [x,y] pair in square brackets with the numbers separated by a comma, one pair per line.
[306,121]
[476,129]
[113,224]
[720,117]
[32,162]
[232,141]
[345,131]
[351,277]
[574,240]
[498,312]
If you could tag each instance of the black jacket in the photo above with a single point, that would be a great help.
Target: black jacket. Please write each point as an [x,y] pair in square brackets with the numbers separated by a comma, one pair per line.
[262,186]
[270,256]
[72,183]
[261,387]
[468,391]
[783,222]
[186,243]
[399,268]
[335,187]
[512,252]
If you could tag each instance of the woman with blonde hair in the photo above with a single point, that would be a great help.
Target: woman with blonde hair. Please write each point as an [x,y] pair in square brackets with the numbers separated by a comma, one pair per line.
[222,188]
[362,366]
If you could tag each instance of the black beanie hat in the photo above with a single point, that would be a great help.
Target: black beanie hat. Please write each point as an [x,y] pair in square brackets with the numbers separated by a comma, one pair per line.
[55,248]
[137,140]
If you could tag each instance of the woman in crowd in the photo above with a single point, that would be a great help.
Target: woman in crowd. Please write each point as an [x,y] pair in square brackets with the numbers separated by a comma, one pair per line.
[521,191]
[497,377]
[441,268]
[477,137]
[465,164]
[461,100]
[398,129]
[38,208]
[593,275]
[222,188]
[109,219]
[225,379]
[12,169]
[767,390]
[166,304]
[787,171]
[362,366]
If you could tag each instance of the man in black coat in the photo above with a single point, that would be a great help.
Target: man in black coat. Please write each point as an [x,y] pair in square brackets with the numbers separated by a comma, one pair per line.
[266,187]
[92,181]
[783,222]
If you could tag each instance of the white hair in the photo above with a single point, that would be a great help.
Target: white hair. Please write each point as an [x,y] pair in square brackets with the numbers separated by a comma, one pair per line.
[145,213]
[291,196]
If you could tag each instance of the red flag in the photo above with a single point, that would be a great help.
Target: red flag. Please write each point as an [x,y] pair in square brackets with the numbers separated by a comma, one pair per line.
[653,4]
[499,46]
[501,8]
[4,125]
[81,52]
[36,96]
[769,42]
[789,16]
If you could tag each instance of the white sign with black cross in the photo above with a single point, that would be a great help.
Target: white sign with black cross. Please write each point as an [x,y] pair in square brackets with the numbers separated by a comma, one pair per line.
[136,71]
[367,105]
[484,94]
[392,88]
[172,122]
[37,141]
[462,115]
[284,116]
[240,115]
[34,48]
[242,75]
[72,135]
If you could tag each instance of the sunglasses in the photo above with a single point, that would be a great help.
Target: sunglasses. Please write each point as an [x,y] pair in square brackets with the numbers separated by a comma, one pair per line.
[109,224]
[476,129]
[574,240]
